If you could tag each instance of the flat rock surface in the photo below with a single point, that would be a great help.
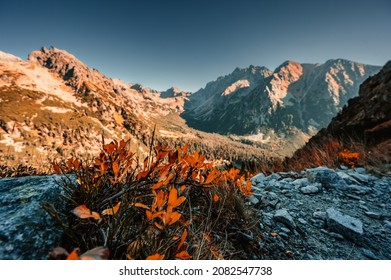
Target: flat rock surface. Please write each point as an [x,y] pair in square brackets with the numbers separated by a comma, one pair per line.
[26,230]
[345,225]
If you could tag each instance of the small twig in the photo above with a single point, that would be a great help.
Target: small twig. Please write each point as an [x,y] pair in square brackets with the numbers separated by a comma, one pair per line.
[151,146]
[348,256]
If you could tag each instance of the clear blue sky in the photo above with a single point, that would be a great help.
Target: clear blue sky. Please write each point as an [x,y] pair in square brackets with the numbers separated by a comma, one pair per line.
[189,43]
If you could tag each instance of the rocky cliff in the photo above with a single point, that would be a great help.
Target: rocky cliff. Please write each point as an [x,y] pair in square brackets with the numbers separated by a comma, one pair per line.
[364,125]
[293,97]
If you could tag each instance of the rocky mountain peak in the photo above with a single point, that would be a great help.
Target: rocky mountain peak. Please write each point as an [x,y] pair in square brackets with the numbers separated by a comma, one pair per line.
[251,70]
[284,75]
[74,72]
[293,96]
[289,66]
[174,92]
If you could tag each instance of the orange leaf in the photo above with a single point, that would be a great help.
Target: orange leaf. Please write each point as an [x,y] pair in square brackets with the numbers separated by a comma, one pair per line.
[115,167]
[70,163]
[122,144]
[142,175]
[174,217]
[149,215]
[160,199]
[137,204]
[185,149]
[56,168]
[179,201]
[156,256]
[161,155]
[160,214]
[76,163]
[95,215]
[111,211]
[274,234]
[212,175]
[183,255]
[157,185]
[169,178]
[164,172]
[190,160]
[109,148]
[73,256]
[172,197]
[98,253]
[102,168]
[173,156]
[183,188]
[84,213]
[183,238]
[173,200]
[215,198]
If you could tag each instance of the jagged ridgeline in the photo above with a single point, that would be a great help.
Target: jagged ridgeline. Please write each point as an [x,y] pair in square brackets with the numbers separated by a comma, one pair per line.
[54,106]
[293,97]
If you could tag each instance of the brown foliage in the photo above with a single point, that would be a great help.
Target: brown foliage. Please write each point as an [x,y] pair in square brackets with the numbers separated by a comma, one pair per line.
[162,209]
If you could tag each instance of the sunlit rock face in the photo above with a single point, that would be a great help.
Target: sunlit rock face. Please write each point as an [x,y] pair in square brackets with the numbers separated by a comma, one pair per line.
[293,96]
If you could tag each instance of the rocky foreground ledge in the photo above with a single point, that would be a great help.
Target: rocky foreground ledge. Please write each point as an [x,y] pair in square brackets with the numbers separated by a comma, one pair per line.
[322,213]
[318,213]
[27,232]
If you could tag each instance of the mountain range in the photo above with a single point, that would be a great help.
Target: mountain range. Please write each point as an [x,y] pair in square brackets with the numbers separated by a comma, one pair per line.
[363,126]
[55,106]
[294,96]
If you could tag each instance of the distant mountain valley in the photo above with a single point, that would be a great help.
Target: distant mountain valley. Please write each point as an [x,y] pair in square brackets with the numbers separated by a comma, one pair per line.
[53,106]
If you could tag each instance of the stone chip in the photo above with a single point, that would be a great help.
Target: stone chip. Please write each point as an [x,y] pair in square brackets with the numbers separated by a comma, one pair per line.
[283,216]
[349,227]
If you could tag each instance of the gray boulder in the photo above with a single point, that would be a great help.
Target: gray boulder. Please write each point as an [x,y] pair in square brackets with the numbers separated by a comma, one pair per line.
[320,215]
[360,170]
[327,177]
[283,216]
[258,178]
[26,230]
[301,182]
[358,189]
[362,178]
[345,225]
[252,200]
[311,189]
[373,215]
[348,179]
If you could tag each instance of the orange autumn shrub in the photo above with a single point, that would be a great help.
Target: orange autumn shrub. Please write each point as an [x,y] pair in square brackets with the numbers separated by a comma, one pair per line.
[160,209]
[349,158]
